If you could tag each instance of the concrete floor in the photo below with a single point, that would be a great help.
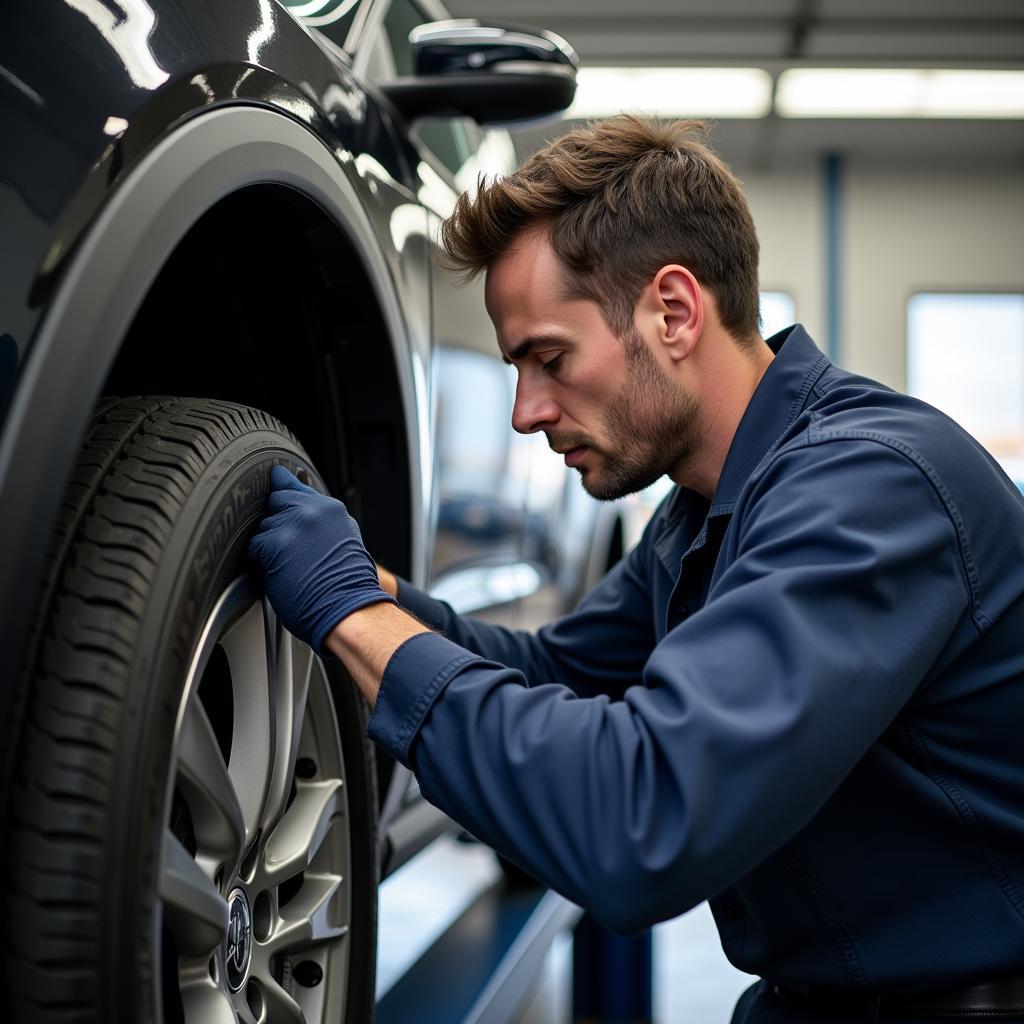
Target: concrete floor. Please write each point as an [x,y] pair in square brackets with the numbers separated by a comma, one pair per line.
[420,900]
[693,982]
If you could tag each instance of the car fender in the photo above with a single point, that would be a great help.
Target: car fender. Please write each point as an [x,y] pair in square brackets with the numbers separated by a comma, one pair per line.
[105,278]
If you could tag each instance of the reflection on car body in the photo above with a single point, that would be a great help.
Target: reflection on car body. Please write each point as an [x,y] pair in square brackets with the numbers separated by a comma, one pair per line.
[219,230]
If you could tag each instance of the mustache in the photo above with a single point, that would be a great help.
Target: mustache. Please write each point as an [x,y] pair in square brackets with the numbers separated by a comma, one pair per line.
[566,442]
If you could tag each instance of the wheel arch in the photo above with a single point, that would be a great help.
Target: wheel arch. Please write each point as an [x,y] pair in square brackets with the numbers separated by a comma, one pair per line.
[266,301]
[86,341]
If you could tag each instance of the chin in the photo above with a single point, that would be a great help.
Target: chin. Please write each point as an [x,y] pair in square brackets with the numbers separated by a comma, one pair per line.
[612,486]
[599,489]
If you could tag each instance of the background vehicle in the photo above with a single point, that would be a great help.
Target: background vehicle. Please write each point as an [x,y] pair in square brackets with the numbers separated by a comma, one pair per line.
[230,212]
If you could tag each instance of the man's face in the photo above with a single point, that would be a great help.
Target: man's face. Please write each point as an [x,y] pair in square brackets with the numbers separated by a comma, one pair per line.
[603,402]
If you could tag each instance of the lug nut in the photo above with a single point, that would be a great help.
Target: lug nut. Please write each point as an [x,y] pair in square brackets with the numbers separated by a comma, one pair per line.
[308,974]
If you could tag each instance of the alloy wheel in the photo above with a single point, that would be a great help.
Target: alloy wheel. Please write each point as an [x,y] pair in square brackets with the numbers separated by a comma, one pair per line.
[255,865]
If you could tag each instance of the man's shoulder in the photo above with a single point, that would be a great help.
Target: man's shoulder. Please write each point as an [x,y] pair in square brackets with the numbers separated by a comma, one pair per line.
[847,407]
[858,447]
[860,433]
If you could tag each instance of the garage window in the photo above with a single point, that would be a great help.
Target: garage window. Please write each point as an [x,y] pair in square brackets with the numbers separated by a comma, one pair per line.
[965,355]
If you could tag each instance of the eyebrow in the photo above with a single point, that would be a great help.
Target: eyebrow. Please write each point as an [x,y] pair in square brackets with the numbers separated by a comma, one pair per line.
[523,348]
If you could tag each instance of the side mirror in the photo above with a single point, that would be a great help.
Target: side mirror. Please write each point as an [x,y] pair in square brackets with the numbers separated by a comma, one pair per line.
[491,73]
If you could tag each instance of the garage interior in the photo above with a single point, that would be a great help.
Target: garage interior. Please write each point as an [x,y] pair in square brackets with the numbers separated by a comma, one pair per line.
[854,214]
[870,215]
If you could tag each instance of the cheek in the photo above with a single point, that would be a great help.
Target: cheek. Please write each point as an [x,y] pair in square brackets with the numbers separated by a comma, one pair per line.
[589,393]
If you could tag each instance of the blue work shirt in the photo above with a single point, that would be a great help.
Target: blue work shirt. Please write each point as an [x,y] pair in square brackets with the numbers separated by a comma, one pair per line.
[803,701]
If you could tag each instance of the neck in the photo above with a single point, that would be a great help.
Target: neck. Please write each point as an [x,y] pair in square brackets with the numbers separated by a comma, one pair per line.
[726,382]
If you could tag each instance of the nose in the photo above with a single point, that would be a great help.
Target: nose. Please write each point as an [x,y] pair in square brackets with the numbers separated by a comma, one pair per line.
[533,410]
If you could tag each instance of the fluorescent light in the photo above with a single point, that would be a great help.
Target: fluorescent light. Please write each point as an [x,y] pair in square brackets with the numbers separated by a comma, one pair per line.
[976,94]
[899,92]
[672,92]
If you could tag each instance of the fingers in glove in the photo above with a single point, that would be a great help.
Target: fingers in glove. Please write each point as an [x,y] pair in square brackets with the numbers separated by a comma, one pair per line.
[275,521]
[256,547]
[283,501]
[273,533]
[282,479]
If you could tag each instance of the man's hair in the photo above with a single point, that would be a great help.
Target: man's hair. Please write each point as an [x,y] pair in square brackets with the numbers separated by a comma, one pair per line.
[620,199]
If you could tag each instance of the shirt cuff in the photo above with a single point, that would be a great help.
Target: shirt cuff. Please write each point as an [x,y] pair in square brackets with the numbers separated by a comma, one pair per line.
[417,673]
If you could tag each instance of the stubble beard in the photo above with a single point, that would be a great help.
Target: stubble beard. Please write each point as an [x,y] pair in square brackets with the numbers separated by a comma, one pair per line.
[655,423]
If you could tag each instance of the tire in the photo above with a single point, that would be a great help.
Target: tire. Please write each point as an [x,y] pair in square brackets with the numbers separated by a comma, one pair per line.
[192,827]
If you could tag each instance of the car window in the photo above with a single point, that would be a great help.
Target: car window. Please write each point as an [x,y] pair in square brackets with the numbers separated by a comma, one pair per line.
[402,17]
[449,139]
[453,140]
[334,18]
[481,475]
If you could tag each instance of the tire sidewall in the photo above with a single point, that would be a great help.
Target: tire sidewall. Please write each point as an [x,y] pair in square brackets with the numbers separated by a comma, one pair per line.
[206,551]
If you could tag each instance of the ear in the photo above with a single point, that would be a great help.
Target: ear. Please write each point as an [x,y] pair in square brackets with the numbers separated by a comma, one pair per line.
[677,306]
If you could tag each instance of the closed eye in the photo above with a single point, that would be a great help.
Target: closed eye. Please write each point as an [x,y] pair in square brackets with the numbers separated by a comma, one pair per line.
[552,364]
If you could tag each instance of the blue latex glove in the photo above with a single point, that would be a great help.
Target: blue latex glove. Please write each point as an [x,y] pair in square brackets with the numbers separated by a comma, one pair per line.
[311,552]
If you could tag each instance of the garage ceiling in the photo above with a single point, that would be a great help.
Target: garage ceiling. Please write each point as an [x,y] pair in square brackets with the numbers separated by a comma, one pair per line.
[779,34]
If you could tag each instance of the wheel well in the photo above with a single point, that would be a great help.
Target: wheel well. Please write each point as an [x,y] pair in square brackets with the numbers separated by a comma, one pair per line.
[266,302]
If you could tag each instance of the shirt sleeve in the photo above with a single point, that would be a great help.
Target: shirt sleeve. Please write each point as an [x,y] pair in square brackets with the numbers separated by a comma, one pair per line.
[599,648]
[846,584]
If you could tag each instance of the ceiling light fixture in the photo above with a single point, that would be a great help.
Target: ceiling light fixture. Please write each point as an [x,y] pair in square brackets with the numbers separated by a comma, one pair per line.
[899,92]
[672,92]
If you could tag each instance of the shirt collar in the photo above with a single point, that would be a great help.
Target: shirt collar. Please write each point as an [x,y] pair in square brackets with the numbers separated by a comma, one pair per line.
[778,399]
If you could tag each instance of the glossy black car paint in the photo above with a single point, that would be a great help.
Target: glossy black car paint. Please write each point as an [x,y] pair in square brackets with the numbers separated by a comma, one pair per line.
[86,91]
[64,75]
[100,99]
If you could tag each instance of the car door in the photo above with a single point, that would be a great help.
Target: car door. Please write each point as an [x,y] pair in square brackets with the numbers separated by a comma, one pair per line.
[481,467]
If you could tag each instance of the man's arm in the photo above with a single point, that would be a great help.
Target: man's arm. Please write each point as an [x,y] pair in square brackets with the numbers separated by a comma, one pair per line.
[751,713]
[317,572]
[366,640]
[598,648]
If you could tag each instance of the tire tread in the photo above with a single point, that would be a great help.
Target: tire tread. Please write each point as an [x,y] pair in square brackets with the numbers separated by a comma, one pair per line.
[139,460]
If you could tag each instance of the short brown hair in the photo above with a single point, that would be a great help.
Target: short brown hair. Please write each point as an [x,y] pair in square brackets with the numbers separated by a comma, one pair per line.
[622,198]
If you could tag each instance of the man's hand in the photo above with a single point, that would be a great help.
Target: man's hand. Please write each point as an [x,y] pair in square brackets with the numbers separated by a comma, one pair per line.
[310,549]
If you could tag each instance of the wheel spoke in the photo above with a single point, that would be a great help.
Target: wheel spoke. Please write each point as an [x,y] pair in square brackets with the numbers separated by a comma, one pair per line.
[310,916]
[298,835]
[204,778]
[294,663]
[281,1008]
[205,1003]
[193,908]
[247,646]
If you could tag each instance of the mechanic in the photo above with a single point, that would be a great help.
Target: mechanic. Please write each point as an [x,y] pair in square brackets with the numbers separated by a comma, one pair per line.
[799,696]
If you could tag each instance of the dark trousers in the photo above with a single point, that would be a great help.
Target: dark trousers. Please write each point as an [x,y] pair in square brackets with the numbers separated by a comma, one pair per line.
[759,1006]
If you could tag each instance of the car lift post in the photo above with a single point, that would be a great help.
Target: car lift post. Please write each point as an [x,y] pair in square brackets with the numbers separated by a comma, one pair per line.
[611,975]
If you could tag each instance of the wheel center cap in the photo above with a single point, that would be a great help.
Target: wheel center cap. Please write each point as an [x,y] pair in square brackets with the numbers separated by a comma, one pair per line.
[238,945]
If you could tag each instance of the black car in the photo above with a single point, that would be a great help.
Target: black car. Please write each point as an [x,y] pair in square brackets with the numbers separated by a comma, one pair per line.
[216,234]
